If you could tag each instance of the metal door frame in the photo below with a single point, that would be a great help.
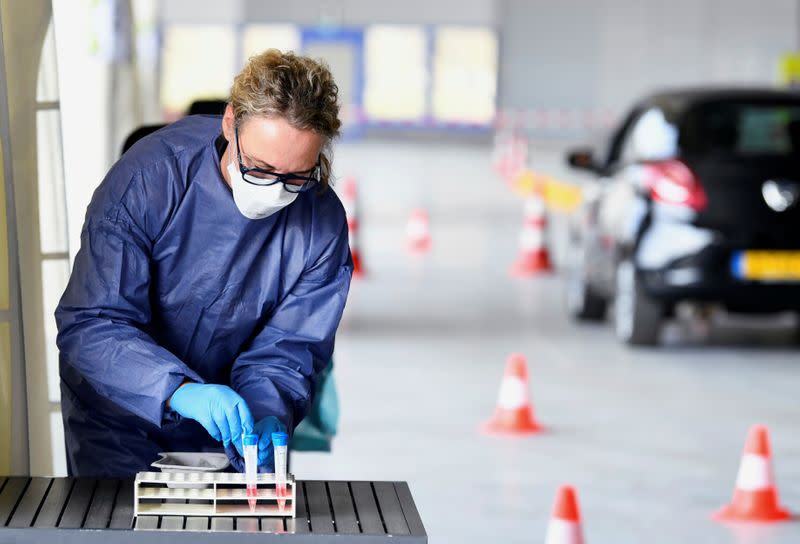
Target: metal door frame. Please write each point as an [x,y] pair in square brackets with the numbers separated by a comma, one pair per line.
[20,455]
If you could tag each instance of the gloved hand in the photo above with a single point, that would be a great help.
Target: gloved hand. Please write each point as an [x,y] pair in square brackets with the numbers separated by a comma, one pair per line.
[264,429]
[218,408]
[266,455]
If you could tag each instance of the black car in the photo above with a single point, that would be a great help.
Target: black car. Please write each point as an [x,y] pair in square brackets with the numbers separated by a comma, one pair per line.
[696,197]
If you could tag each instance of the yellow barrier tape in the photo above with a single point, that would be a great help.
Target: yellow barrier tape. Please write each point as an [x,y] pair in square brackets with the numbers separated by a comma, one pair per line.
[562,196]
[789,69]
[559,195]
[525,182]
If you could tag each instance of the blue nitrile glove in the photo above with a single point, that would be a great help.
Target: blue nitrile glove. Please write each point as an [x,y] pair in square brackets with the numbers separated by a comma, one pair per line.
[218,408]
[264,429]
[266,454]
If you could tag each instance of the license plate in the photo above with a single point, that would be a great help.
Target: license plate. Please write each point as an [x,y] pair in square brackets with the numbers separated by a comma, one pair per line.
[766,265]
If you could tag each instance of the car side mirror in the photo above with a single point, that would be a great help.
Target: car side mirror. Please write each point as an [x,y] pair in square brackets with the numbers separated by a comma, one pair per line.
[582,159]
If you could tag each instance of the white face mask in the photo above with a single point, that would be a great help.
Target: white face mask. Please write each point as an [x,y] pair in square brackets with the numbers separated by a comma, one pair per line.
[257,201]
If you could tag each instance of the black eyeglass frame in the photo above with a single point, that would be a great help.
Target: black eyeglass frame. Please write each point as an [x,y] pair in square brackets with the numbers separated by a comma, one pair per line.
[309,182]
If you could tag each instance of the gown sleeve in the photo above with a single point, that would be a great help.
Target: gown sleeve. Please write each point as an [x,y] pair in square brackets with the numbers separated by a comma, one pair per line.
[277,371]
[104,313]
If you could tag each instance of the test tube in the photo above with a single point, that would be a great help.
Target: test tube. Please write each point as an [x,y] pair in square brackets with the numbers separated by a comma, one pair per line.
[279,443]
[250,447]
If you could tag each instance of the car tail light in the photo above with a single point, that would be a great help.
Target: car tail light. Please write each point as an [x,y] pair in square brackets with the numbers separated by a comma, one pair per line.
[672,182]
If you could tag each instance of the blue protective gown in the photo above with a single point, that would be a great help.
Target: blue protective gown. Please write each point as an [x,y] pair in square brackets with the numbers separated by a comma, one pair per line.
[173,282]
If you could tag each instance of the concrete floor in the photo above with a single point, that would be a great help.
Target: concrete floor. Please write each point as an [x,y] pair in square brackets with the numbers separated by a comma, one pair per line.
[650,438]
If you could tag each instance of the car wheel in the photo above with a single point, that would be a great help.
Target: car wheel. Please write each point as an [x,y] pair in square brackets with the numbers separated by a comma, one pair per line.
[796,335]
[637,317]
[582,303]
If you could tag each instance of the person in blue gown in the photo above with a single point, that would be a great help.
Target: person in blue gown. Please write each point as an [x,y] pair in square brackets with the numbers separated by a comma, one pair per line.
[212,275]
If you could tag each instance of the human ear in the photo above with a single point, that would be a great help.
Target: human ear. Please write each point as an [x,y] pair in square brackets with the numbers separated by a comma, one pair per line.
[227,123]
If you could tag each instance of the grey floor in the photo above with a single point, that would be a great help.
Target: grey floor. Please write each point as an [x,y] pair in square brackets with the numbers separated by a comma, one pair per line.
[650,438]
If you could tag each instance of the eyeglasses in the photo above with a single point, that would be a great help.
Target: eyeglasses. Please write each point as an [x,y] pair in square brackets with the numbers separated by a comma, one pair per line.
[265,178]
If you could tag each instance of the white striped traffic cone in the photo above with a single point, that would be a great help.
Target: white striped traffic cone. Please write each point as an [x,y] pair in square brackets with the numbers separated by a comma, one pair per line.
[418,232]
[565,523]
[350,203]
[514,412]
[515,157]
[755,497]
[534,257]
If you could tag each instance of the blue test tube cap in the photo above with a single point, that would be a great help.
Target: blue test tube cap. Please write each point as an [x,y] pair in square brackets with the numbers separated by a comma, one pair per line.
[250,440]
[280,439]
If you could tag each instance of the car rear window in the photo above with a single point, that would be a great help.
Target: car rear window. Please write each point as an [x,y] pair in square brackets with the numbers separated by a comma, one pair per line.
[742,128]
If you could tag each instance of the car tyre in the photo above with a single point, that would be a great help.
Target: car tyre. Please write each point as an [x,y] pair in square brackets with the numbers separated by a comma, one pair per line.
[582,303]
[796,332]
[637,316]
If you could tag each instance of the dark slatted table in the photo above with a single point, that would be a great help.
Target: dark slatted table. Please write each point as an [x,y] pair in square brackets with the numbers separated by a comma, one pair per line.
[67,510]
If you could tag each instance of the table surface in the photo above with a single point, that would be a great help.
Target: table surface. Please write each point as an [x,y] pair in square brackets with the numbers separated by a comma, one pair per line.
[73,509]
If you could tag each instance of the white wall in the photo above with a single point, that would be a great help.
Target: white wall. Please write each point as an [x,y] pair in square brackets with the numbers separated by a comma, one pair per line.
[346,12]
[605,53]
[454,182]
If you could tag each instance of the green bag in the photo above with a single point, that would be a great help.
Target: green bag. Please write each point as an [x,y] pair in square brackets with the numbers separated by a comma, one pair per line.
[316,431]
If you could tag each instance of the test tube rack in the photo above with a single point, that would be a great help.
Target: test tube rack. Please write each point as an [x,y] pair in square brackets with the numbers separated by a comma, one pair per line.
[208,494]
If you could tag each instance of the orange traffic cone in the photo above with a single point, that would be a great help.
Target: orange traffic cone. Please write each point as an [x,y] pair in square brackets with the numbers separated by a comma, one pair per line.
[533,258]
[755,497]
[350,203]
[565,523]
[502,138]
[418,233]
[514,412]
[512,154]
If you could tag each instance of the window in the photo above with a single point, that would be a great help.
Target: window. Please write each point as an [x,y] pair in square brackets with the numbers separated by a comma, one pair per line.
[386,73]
[342,49]
[739,128]
[343,63]
[52,204]
[652,137]
[198,62]
[257,38]
[768,130]
[53,240]
[729,128]
[464,75]
[396,78]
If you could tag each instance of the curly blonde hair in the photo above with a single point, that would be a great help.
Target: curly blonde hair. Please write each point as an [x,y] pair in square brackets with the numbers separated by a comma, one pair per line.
[296,88]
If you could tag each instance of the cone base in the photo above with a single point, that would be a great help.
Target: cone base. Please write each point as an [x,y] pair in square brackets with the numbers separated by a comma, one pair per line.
[419,247]
[730,514]
[530,265]
[753,506]
[358,267]
[521,423]
[562,531]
